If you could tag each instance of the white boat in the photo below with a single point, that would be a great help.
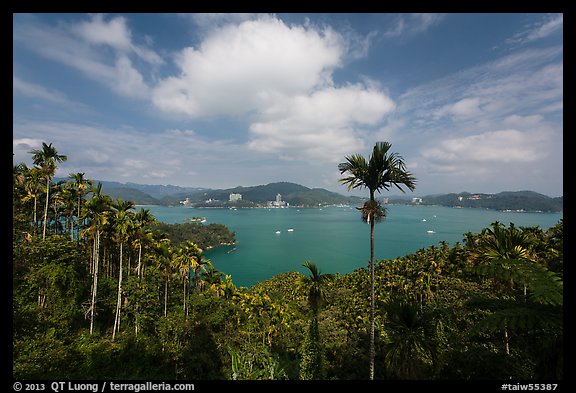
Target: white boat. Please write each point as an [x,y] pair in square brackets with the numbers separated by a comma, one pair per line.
[290,229]
[430,231]
[197,219]
[423,220]
[277,232]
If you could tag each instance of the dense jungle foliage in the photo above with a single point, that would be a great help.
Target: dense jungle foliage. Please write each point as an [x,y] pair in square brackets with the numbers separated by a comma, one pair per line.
[100,293]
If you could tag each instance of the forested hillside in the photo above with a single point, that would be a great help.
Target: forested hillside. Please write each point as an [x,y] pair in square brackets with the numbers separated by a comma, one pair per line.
[507,200]
[99,293]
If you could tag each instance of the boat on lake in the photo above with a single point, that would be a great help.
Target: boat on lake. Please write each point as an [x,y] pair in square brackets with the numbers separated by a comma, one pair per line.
[197,219]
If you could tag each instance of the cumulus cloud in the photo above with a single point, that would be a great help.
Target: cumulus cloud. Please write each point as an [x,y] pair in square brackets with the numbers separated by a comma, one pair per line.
[237,67]
[279,77]
[323,124]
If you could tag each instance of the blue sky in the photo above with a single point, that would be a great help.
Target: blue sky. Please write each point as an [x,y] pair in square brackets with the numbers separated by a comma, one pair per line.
[472,102]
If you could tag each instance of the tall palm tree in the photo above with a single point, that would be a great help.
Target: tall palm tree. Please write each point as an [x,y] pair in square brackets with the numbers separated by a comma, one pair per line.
[163,255]
[315,284]
[80,185]
[30,181]
[381,171]
[123,225]
[186,257]
[143,219]
[46,159]
[97,209]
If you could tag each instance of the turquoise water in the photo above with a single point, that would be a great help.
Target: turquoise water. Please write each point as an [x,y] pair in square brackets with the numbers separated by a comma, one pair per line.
[335,238]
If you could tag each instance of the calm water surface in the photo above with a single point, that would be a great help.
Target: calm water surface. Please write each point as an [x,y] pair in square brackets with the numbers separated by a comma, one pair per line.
[273,241]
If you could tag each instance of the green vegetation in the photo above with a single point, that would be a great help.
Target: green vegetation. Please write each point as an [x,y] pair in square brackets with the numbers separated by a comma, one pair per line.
[104,294]
[205,236]
[507,200]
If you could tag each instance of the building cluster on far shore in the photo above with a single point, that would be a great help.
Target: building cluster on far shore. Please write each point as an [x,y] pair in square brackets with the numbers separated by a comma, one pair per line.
[278,202]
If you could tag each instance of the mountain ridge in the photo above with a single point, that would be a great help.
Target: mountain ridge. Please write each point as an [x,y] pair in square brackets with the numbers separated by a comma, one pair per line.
[505,201]
[299,195]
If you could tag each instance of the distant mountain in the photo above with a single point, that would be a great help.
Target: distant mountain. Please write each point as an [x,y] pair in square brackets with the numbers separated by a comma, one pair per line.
[294,194]
[130,194]
[299,195]
[506,200]
[155,191]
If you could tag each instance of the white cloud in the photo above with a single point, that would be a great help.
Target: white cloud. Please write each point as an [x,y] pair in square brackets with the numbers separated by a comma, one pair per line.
[22,147]
[324,124]
[539,30]
[523,82]
[129,80]
[279,78]
[78,51]
[237,67]
[465,108]
[502,146]
[37,91]
[114,33]
[411,24]
[215,20]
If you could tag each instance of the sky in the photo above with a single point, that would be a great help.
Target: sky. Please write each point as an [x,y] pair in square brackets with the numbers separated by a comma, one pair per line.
[472,102]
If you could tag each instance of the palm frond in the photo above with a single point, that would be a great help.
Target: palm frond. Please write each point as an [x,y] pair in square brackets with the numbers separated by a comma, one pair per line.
[521,318]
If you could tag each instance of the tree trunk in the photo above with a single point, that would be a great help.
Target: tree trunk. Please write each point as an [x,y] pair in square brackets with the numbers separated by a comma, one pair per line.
[95,283]
[139,267]
[506,340]
[184,300]
[35,215]
[46,208]
[372,349]
[166,298]
[119,299]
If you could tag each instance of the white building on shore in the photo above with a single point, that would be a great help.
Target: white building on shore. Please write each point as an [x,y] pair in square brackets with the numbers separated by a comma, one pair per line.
[235,197]
[278,202]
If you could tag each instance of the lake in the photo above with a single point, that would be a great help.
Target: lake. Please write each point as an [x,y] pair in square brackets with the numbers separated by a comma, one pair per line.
[273,241]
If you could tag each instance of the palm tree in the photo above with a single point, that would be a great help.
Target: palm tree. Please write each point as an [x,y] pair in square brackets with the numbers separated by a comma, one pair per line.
[315,284]
[411,339]
[381,171]
[46,159]
[123,225]
[32,190]
[507,255]
[186,257]
[163,255]
[80,185]
[97,209]
[143,219]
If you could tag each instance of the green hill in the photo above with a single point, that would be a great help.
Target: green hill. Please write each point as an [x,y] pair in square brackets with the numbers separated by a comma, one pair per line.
[131,194]
[294,194]
[506,200]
